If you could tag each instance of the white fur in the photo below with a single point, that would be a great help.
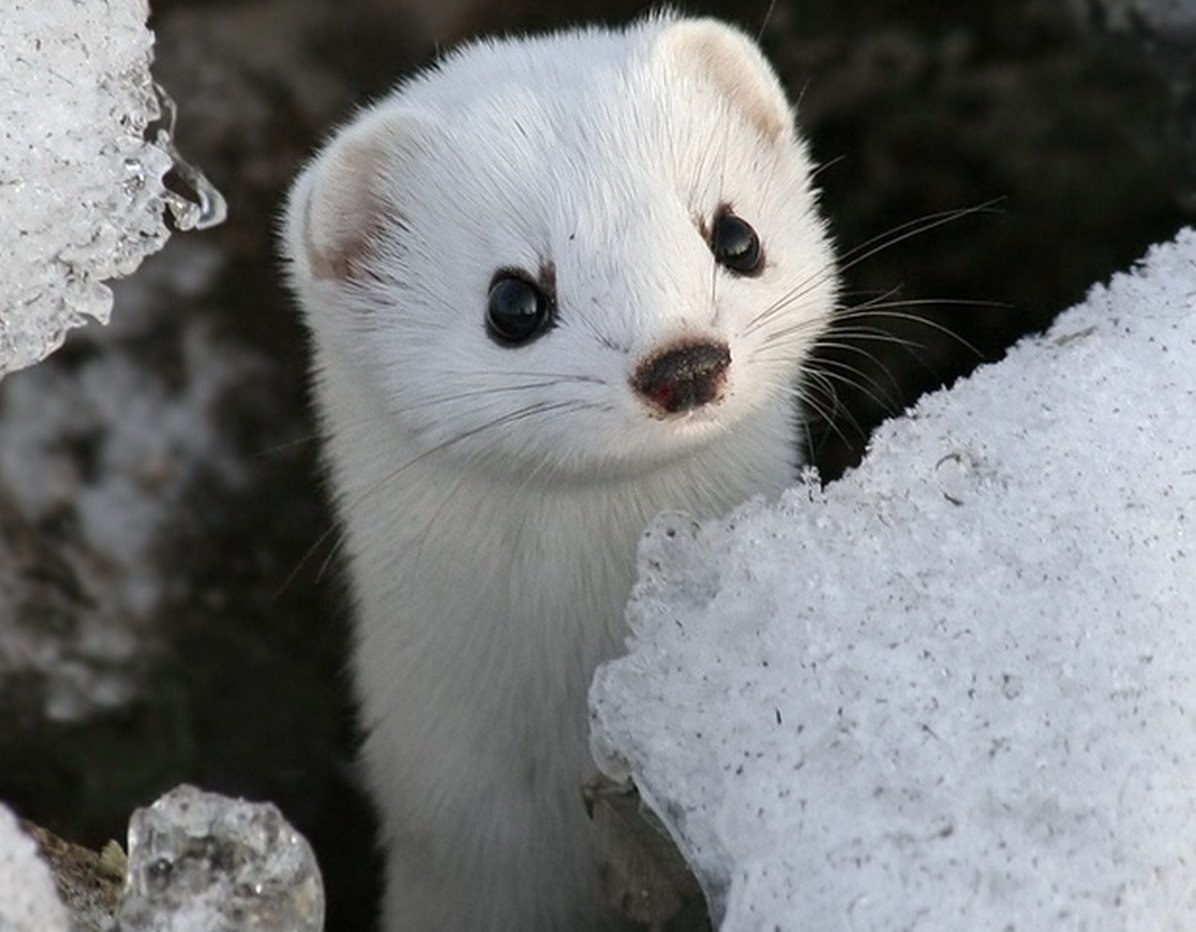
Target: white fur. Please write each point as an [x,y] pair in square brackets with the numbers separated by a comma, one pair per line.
[491,558]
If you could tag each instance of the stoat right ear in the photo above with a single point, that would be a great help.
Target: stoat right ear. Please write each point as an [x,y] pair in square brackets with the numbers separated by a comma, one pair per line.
[733,64]
[340,204]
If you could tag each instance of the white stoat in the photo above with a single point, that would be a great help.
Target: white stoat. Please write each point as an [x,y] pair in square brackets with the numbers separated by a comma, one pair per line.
[556,285]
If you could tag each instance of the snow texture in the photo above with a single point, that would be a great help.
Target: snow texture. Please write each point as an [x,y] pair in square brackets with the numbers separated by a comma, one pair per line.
[28,898]
[957,688]
[81,187]
[201,862]
[150,437]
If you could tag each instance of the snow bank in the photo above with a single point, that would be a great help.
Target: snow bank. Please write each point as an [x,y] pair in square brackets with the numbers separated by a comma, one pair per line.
[957,688]
[28,898]
[82,189]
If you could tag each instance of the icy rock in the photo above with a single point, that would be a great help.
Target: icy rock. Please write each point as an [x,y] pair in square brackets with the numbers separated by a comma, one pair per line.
[957,688]
[81,186]
[200,862]
[28,898]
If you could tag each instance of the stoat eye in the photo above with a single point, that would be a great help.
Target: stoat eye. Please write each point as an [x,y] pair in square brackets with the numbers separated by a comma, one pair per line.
[517,310]
[735,244]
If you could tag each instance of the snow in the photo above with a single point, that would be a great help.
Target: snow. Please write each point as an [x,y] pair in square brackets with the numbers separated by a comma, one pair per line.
[81,187]
[200,862]
[86,141]
[151,434]
[957,688]
[28,898]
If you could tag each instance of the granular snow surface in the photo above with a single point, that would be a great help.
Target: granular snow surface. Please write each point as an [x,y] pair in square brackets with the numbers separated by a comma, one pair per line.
[28,898]
[957,688]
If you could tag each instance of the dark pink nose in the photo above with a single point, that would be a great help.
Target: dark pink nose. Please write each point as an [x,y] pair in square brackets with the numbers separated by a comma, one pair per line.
[683,378]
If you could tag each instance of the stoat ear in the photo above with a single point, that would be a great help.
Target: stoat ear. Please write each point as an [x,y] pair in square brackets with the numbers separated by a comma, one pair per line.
[346,195]
[734,64]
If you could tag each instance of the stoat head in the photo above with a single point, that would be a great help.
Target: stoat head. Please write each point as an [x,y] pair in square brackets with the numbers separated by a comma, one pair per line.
[576,255]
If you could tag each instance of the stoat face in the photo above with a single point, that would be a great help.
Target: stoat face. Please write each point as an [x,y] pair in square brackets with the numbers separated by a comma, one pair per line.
[575,256]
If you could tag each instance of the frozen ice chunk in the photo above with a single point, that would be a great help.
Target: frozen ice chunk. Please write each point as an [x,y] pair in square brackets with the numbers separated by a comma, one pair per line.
[200,862]
[957,688]
[81,187]
[28,898]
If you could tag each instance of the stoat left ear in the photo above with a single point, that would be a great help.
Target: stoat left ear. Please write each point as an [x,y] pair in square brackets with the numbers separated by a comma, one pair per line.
[737,69]
[343,200]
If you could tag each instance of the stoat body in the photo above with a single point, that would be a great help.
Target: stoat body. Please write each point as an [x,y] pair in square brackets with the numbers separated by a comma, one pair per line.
[556,285]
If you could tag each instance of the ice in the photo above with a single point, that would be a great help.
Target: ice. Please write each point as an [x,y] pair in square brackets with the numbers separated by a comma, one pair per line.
[82,188]
[957,688]
[28,898]
[200,862]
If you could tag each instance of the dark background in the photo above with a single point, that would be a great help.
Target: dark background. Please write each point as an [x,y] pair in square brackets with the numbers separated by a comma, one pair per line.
[1075,138]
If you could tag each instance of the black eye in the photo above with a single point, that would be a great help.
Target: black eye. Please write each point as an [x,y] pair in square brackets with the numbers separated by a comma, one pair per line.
[517,309]
[735,244]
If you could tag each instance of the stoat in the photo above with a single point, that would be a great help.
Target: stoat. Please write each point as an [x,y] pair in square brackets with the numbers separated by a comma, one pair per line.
[555,286]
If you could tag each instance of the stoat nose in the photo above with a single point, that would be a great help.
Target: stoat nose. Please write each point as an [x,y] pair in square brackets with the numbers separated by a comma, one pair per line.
[683,378]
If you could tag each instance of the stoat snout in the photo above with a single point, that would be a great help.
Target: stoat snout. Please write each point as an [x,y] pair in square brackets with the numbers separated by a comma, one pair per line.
[680,379]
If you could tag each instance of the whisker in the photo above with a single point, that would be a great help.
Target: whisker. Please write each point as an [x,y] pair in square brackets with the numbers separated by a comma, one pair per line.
[790,299]
[805,401]
[911,228]
[830,163]
[873,334]
[800,393]
[557,376]
[880,304]
[818,361]
[310,552]
[880,307]
[866,250]
[886,397]
[265,452]
[550,379]
[821,340]
[333,552]
[924,322]
[880,397]
[504,389]
[772,5]
[505,420]
[528,478]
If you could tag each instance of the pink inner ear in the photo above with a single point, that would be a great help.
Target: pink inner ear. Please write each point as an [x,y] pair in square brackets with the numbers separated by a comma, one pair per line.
[342,218]
[347,262]
[749,90]
[346,255]
[737,68]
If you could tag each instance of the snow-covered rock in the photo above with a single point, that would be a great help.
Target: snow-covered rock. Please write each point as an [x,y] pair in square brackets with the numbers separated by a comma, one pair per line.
[957,688]
[28,898]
